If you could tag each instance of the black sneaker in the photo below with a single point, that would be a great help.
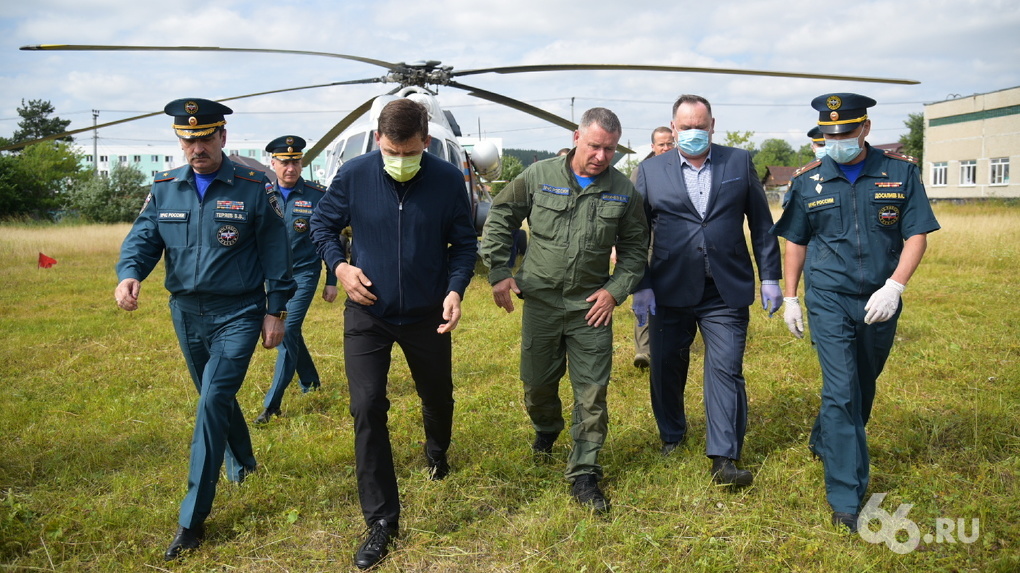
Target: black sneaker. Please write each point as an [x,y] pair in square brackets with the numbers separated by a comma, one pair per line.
[587,493]
[376,545]
[544,441]
[439,468]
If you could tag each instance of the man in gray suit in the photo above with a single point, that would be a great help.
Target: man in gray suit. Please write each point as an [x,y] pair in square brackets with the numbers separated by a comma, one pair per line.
[700,276]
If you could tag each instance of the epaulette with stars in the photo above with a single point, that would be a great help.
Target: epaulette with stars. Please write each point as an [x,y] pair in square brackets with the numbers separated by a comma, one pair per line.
[249,174]
[807,167]
[900,156]
[168,175]
[315,185]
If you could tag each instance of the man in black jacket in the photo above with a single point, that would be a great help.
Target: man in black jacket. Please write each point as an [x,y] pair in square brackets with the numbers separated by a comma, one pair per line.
[411,262]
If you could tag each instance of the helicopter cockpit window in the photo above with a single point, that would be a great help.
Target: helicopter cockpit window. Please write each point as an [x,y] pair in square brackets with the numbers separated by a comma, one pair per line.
[436,148]
[354,146]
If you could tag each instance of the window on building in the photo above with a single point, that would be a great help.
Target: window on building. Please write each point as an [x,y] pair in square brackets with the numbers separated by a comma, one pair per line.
[138,159]
[939,172]
[168,159]
[252,152]
[123,158]
[155,158]
[968,172]
[88,158]
[104,173]
[103,158]
[154,173]
[1000,171]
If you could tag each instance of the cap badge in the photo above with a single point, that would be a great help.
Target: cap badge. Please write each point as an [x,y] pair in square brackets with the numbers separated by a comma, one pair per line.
[290,141]
[191,107]
[192,121]
[290,150]
[834,102]
[833,115]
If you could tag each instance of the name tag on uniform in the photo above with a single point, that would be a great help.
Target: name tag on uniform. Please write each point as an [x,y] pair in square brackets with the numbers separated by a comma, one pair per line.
[174,216]
[880,196]
[555,190]
[616,198]
[297,211]
[241,216]
[821,203]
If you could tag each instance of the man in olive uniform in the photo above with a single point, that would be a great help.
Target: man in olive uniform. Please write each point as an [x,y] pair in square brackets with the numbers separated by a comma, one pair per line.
[219,227]
[298,197]
[856,225]
[578,208]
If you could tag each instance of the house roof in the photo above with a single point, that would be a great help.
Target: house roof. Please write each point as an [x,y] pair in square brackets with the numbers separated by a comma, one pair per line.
[778,174]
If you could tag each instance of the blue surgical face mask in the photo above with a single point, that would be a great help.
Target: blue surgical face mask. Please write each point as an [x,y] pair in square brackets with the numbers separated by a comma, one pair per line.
[843,150]
[820,152]
[692,141]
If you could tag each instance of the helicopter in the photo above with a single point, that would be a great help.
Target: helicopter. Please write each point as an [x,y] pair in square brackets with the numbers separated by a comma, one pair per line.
[420,80]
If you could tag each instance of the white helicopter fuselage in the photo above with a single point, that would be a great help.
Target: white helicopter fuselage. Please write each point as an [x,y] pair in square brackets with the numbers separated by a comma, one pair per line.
[482,163]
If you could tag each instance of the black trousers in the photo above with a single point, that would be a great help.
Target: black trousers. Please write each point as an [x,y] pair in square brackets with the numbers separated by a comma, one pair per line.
[368,344]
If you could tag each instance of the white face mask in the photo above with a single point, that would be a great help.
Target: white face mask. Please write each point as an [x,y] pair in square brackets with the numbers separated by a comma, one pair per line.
[843,150]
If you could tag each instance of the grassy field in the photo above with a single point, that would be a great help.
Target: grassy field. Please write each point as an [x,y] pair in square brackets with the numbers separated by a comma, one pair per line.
[96,412]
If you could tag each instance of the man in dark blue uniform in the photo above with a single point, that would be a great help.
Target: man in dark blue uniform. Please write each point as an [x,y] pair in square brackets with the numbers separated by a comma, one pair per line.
[298,198]
[856,225]
[219,227]
[407,272]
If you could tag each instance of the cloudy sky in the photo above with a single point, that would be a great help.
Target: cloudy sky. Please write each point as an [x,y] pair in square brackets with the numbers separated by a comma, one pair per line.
[953,47]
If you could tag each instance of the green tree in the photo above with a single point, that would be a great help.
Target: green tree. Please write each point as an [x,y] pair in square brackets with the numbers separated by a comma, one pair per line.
[512,167]
[774,152]
[805,155]
[113,199]
[36,122]
[913,140]
[739,139]
[34,181]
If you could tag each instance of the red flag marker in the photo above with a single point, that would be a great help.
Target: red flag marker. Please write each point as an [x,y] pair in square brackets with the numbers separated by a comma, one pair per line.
[46,262]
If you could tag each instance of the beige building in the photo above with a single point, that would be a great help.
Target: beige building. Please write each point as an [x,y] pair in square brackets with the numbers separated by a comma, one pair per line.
[969,144]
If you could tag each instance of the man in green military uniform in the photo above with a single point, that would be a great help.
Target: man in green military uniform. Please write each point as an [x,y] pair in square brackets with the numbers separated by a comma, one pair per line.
[219,228]
[578,208]
[298,197]
[856,225]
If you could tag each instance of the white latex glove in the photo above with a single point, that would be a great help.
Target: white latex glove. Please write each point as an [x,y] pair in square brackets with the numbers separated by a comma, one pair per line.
[793,316]
[884,303]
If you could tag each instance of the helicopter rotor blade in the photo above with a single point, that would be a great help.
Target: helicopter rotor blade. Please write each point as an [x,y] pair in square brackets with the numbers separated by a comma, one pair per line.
[102,48]
[332,134]
[526,108]
[642,68]
[128,119]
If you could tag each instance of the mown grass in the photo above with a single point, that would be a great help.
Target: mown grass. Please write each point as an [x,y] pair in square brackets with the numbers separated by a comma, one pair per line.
[96,411]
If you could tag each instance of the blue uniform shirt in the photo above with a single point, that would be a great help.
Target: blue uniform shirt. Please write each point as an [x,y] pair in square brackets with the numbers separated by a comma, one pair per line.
[856,231]
[224,246]
[298,206]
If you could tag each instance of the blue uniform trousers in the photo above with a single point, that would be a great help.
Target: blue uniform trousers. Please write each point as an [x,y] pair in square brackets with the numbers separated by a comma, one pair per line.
[368,344]
[292,354]
[852,355]
[217,348]
[724,331]
[553,339]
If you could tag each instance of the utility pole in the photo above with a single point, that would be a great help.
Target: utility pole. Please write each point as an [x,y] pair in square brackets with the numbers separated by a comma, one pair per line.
[95,142]
[571,108]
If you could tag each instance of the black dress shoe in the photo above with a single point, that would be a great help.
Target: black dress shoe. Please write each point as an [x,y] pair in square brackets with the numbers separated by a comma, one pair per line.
[186,539]
[439,468]
[376,545]
[668,447]
[587,493]
[848,520]
[725,472]
[266,415]
[544,441]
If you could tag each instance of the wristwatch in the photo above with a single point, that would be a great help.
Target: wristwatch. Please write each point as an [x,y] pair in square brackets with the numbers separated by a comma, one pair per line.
[282,315]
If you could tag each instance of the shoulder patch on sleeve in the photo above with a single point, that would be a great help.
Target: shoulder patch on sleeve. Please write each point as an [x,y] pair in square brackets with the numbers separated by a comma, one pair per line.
[900,156]
[807,167]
